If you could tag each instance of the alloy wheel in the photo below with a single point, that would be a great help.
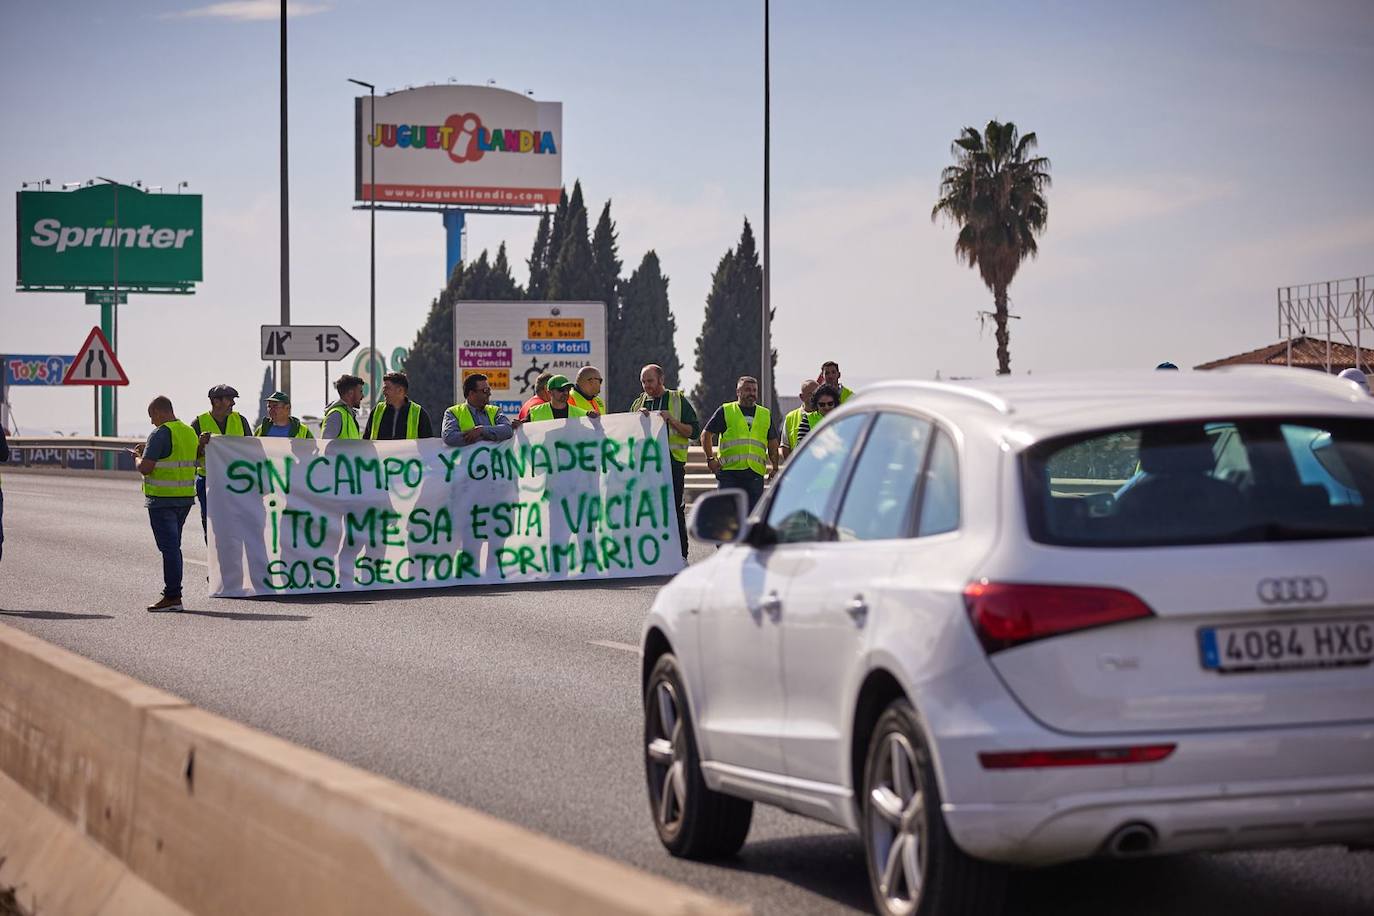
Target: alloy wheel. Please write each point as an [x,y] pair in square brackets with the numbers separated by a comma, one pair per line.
[666,758]
[896,821]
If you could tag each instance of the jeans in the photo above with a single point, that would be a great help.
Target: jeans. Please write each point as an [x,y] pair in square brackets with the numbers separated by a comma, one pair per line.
[167,524]
[746,480]
[200,498]
[679,488]
[2,524]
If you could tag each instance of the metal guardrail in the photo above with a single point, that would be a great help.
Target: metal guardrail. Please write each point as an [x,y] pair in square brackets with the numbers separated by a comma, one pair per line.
[72,452]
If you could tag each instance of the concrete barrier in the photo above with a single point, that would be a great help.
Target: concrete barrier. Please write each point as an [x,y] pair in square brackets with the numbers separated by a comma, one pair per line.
[218,818]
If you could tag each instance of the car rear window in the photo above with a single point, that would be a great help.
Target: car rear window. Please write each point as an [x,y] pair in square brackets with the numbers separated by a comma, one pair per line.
[1218,481]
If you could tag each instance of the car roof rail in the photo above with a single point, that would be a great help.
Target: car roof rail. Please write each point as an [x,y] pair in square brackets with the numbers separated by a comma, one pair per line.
[986,398]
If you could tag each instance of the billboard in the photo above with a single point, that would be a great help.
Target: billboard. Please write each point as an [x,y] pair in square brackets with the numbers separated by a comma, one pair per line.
[28,369]
[459,145]
[99,234]
[511,343]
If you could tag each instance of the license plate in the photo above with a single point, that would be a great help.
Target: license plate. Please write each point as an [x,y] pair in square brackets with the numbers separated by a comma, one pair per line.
[1309,644]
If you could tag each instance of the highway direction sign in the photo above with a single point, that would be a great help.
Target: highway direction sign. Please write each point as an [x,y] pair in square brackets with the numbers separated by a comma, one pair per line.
[317,342]
[95,363]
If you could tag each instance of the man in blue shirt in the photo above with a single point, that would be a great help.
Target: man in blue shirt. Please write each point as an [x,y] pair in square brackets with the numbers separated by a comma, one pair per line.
[167,462]
[476,419]
[279,423]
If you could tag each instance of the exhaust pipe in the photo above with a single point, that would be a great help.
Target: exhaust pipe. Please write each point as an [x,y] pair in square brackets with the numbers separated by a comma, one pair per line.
[1130,841]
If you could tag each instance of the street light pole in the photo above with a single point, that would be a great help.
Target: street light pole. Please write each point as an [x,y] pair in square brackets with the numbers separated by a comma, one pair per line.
[372,381]
[766,372]
[285,380]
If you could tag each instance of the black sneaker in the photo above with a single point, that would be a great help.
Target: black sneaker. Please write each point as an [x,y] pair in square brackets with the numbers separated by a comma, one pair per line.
[166,604]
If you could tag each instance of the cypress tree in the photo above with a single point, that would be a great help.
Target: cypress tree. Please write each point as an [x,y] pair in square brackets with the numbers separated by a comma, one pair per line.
[267,390]
[432,363]
[646,330]
[731,337]
[606,275]
[574,276]
[538,262]
[558,230]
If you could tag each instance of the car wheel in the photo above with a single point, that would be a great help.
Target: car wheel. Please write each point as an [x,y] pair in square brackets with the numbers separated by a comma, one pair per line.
[914,866]
[693,822]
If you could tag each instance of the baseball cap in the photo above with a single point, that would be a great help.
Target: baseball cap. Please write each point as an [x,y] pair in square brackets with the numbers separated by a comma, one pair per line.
[559,382]
[224,391]
[1355,375]
[278,397]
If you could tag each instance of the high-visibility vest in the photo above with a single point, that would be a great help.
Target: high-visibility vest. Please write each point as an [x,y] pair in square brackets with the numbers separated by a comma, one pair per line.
[744,445]
[175,475]
[464,416]
[298,429]
[577,399]
[412,420]
[545,412]
[234,425]
[677,443]
[791,423]
[845,394]
[349,428]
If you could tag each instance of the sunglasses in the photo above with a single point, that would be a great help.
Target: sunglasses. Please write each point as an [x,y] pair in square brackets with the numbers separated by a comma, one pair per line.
[822,405]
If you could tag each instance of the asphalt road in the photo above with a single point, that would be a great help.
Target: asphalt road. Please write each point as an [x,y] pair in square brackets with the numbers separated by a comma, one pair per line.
[520,701]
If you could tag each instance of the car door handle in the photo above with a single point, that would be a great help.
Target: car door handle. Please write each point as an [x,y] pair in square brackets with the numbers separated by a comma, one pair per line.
[772,605]
[857,609]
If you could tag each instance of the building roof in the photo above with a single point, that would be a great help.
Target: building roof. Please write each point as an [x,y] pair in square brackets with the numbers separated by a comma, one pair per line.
[1308,353]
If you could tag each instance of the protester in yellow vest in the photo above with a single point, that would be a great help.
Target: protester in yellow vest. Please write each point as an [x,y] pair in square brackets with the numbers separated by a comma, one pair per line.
[792,422]
[747,435]
[167,462]
[559,406]
[341,418]
[830,375]
[683,426]
[475,417]
[587,393]
[826,399]
[279,423]
[221,420]
[396,416]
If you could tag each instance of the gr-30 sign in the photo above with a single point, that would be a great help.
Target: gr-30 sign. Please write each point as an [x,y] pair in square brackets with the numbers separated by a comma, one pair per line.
[108,235]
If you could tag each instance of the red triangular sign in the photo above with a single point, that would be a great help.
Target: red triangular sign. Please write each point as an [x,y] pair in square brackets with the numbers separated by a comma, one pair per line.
[95,364]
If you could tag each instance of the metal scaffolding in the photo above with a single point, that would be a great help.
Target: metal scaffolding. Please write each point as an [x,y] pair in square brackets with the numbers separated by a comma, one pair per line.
[1342,310]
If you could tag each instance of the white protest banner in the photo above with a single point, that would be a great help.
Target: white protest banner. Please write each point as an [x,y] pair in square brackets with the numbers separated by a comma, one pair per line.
[570,499]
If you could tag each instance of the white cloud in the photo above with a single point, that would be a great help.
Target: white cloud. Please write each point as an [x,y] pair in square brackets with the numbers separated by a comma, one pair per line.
[1088,208]
[247,10]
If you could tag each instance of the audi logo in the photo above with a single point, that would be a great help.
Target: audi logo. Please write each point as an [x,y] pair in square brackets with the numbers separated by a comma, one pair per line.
[1292,590]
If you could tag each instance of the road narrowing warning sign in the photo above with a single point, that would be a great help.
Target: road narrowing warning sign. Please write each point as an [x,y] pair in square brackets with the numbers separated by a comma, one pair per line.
[95,363]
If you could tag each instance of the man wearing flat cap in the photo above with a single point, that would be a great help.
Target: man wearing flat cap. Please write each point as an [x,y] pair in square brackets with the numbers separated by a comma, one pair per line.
[557,407]
[222,420]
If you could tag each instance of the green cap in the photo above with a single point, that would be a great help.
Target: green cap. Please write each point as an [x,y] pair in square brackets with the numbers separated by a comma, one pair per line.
[278,397]
[559,382]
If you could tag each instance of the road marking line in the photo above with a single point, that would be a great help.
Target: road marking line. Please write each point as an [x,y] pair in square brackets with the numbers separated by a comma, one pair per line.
[612,644]
[197,562]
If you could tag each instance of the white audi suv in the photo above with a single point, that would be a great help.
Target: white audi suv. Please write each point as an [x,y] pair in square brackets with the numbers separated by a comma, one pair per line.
[1026,621]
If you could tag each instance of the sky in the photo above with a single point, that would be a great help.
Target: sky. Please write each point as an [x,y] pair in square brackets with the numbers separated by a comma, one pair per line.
[1203,154]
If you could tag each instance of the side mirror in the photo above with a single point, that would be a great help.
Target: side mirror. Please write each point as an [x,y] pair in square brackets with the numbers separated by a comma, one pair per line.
[718,518]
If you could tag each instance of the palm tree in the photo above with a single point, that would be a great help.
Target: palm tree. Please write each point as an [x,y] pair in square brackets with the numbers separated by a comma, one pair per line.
[995,194]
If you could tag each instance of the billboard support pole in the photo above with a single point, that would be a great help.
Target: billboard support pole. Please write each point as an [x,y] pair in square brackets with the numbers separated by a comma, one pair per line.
[454,221]
[372,234]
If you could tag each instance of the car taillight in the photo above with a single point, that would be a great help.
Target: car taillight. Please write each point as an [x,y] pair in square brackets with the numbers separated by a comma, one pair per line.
[1074,757]
[1006,614]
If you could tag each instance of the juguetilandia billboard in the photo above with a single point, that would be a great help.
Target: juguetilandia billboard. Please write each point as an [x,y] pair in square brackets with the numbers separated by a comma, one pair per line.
[106,234]
[459,145]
